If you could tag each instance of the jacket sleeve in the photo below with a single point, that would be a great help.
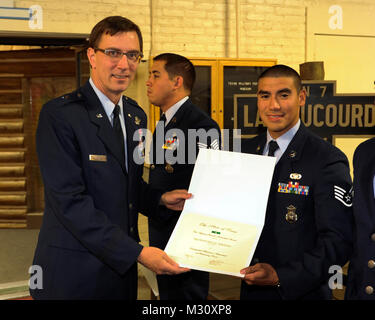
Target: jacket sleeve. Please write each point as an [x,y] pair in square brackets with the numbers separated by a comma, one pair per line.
[68,199]
[334,225]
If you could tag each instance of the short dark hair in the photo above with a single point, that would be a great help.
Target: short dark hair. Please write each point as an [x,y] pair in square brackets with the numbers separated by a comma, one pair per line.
[281,70]
[112,25]
[177,65]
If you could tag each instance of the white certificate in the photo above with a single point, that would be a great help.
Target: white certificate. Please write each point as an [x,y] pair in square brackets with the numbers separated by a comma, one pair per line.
[219,228]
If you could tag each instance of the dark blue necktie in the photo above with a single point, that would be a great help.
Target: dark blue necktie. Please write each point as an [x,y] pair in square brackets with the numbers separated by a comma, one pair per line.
[272,147]
[118,130]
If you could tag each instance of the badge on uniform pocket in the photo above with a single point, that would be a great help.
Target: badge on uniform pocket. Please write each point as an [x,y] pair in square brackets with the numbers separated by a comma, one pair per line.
[291,215]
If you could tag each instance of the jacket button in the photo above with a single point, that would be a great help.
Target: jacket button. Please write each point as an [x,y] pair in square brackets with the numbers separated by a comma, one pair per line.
[152,167]
[369,290]
[131,230]
[373,237]
[371,264]
[130,206]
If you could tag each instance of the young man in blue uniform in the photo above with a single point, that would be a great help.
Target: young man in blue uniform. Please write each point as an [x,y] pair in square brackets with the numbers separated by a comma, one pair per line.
[88,243]
[308,224]
[361,273]
[174,151]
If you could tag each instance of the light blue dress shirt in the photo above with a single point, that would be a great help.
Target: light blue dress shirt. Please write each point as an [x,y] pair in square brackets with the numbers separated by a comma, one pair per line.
[283,141]
[109,106]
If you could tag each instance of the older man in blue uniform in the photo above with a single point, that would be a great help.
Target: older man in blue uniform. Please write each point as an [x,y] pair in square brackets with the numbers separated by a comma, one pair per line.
[308,224]
[361,273]
[88,243]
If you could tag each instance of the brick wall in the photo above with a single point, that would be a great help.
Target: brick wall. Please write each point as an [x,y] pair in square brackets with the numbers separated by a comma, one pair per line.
[274,29]
[197,28]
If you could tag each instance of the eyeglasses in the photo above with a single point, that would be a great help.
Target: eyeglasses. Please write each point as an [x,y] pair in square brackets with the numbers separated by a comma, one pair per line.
[116,55]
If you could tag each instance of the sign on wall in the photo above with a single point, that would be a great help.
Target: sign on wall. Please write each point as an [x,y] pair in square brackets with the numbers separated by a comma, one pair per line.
[326,112]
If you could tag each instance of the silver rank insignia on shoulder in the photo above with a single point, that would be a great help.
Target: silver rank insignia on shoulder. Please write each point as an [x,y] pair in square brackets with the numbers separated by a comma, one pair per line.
[291,215]
[345,197]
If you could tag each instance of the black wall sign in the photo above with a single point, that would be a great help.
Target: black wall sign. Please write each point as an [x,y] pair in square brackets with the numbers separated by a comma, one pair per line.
[326,112]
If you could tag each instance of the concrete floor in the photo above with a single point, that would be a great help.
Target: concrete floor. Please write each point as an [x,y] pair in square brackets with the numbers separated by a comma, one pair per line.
[17,248]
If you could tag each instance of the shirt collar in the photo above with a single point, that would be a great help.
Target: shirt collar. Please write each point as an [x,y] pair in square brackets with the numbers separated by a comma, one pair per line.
[107,104]
[172,110]
[284,140]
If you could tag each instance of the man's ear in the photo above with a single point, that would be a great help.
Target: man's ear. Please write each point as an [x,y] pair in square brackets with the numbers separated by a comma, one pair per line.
[92,57]
[302,97]
[178,82]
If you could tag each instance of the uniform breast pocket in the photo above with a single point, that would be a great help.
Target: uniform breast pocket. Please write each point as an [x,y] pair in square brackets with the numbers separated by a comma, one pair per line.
[292,210]
[103,171]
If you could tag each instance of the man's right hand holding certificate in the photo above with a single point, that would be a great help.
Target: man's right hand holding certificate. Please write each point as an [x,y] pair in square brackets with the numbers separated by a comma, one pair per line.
[260,274]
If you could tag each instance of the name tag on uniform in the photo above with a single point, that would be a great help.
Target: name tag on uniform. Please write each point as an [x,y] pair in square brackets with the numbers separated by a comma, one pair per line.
[98,157]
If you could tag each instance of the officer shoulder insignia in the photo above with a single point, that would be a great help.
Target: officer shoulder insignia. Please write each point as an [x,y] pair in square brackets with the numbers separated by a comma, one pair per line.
[73,96]
[345,197]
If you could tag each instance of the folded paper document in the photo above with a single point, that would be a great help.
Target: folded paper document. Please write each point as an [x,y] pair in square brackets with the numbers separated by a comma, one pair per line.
[219,228]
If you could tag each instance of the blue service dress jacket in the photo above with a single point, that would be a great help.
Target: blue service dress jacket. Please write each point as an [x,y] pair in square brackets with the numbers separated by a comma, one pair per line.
[361,273]
[88,242]
[192,285]
[308,223]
